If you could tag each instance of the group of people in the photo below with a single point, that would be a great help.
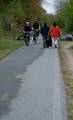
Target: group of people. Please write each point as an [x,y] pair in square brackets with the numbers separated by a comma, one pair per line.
[35,28]
[51,34]
[28,30]
[48,33]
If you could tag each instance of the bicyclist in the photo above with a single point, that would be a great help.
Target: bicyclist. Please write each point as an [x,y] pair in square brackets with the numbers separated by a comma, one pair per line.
[27,30]
[36,29]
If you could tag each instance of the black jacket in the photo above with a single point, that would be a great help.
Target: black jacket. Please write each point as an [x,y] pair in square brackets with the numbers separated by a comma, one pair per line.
[45,30]
[27,29]
[36,26]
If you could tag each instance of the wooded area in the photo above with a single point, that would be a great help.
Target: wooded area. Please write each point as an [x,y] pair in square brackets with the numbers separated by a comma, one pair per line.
[64,16]
[13,13]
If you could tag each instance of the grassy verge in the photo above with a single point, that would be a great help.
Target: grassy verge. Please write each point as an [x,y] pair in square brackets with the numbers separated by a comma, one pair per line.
[8,44]
[71,49]
[68,77]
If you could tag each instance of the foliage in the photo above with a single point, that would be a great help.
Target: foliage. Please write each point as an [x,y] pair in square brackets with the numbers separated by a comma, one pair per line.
[64,17]
[8,44]
[13,13]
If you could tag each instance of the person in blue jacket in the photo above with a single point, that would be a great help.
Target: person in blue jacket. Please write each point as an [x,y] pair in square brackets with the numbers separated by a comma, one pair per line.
[44,32]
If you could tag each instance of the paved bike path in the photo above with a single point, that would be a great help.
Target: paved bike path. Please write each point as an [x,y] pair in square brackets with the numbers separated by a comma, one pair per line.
[42,92]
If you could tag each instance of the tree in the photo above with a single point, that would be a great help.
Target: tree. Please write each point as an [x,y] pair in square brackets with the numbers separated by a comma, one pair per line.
[65,17]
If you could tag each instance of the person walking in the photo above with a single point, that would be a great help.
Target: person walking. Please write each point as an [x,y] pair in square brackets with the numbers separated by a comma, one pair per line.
[45,36]
[54,32]
[44,30]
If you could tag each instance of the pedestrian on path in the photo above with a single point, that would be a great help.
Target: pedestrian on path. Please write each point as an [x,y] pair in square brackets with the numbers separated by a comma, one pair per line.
[54,32]
[46,38]
[44,30]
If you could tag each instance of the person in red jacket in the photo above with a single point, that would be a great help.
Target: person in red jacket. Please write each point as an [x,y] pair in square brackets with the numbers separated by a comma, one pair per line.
[54,32]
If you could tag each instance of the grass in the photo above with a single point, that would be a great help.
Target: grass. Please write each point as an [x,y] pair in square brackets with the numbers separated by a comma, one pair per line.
[68,78]
[8,44]
[71,49]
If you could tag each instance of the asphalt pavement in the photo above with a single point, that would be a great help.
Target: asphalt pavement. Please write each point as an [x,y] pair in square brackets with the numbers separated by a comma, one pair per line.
[31,85]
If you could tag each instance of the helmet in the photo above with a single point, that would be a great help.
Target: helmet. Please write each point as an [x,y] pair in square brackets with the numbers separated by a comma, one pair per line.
[27,23]
[35,19]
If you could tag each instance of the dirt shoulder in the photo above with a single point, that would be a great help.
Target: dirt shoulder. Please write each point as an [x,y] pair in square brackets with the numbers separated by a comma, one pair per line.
[66,55]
